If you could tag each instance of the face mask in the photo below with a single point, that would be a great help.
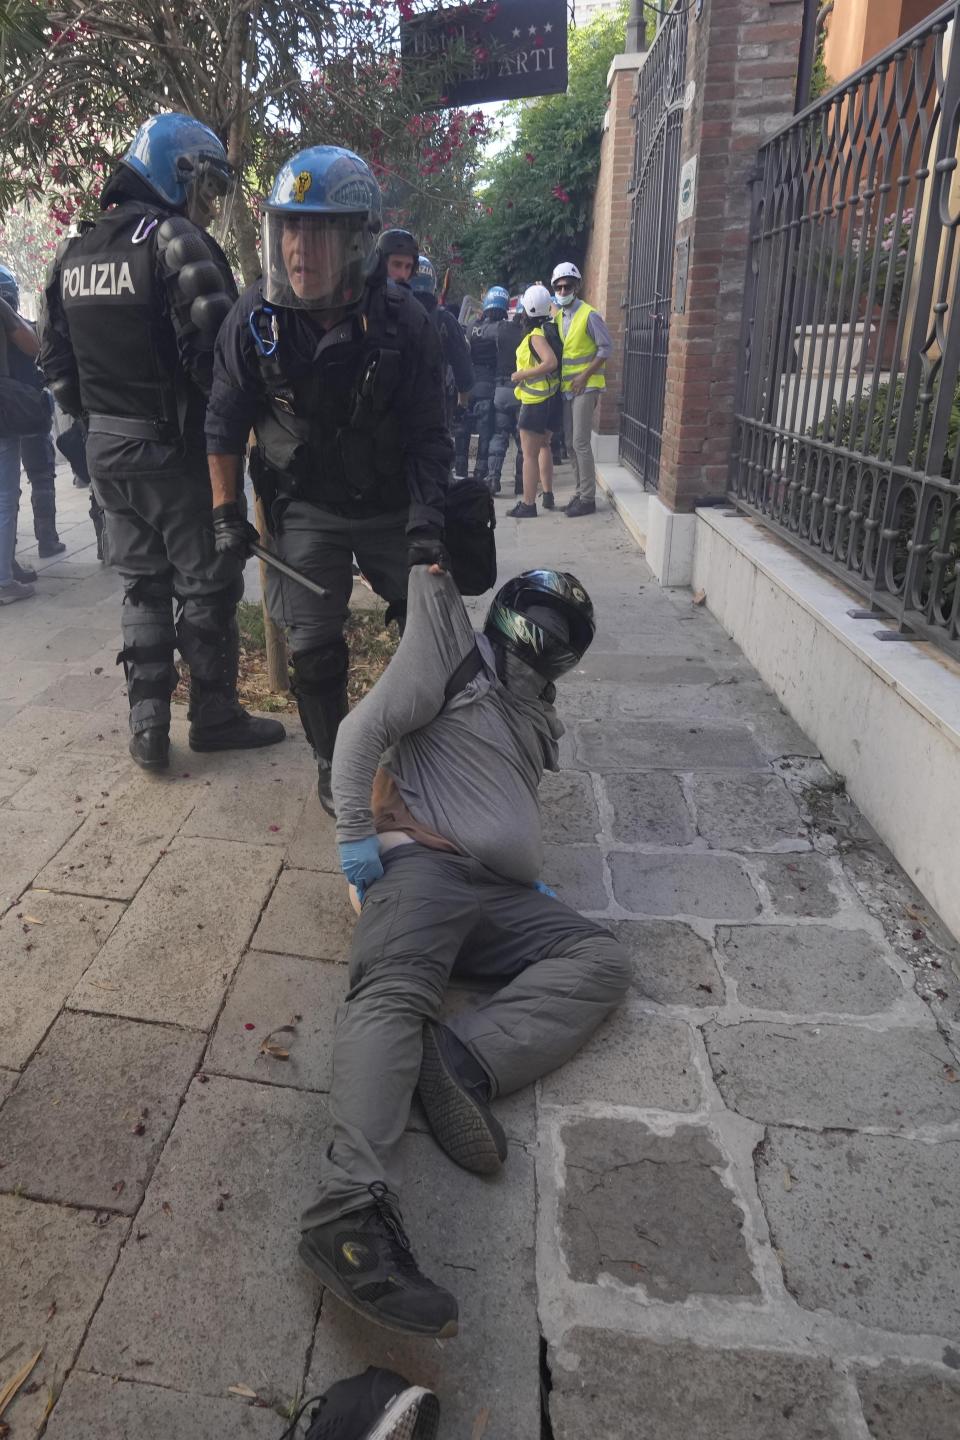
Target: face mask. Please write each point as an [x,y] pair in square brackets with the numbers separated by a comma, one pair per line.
[564,300]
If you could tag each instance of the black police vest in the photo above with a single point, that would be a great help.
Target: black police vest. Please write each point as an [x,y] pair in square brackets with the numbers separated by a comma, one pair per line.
[331,430]
[122,338]
[483,348]
[509,335]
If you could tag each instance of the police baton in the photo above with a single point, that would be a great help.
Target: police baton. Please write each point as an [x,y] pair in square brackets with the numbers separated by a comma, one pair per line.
[289,570]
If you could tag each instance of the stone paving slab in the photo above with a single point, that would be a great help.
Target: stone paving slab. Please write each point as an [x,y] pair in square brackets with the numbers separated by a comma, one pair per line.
[27,841]
[40,963]
[827,1076]
[274,990]
[607,1386]
[91,1114]
[869,1227]
[96,1407]
[649,809]
[672,964]
[74,783]
[173,953]
[909,1404]
[24,680]
[78,642]
[714,886]
[569,808]
[645,670]
[217,1297]
[632,1059]
[53,1266]
[666,745]
[474,1236]
[8,1078]
[259,807]
[309,914]
[812,968]
[37,732]
[13,778]
[575,872]
[805,886]
[79,692]
[747,812]
[651,1210]
[314,845]
[113,851]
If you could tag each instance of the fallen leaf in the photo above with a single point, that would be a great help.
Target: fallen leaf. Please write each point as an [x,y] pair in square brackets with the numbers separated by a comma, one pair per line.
[52,1311]
[10,1389]
[138,1129]
[787,1178]
[32,920]
[167,1208]
[275,1051]
[31,1389]
[249,1025]
[950,1074]
[143,1362]
[243,1390]
[698,597]
[913,912]
[480,1422]
[273,829]
[119,1187]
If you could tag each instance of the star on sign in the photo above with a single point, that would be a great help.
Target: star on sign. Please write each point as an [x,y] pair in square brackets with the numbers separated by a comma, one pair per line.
[516,33]
[532,30]
[547,28]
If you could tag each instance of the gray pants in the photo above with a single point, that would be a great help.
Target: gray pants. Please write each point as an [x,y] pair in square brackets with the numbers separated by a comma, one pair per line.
[434,915]
[159,535]
[577,431]
[323,545]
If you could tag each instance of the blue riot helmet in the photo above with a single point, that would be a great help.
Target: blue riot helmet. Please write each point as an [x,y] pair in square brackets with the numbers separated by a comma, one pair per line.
[9,289]
[185,165]
[320,230]
[424,278]
[496,298]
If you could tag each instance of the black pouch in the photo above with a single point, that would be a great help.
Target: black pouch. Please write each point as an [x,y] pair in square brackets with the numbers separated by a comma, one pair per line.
[23,410]
[264,484]
[469,522]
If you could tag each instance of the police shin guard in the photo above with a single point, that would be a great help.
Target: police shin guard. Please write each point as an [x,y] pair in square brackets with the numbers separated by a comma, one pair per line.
[147,660]
[320,685]
[209,641]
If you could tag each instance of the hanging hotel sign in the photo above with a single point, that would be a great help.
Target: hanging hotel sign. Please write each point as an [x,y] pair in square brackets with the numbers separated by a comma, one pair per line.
[496,49]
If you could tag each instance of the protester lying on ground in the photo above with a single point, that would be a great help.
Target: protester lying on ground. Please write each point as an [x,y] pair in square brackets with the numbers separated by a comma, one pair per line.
[435,782]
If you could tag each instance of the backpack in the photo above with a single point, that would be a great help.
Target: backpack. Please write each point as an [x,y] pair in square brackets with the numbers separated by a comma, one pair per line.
[24,410]
[552,334]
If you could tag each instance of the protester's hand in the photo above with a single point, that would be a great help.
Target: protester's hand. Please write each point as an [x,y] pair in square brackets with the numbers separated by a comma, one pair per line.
[578,385]
[544,889]
[517,376]
[427,550]
[360,862]
[232,532]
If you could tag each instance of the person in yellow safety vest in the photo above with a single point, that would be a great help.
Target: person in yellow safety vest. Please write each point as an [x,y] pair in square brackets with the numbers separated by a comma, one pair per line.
[586,348]
[537,381]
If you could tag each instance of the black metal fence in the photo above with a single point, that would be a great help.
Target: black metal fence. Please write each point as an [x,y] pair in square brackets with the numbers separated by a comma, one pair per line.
[653,218]
[848,412]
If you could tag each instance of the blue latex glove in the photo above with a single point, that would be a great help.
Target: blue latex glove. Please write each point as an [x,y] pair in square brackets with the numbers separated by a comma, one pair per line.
[544,889]
[360,862]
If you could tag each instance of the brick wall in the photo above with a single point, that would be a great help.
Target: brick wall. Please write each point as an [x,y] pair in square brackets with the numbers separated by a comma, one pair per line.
[742,59]
[605,268]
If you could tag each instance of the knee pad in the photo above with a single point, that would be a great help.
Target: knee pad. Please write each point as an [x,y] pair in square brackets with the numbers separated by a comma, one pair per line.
[321,669]
[149,590]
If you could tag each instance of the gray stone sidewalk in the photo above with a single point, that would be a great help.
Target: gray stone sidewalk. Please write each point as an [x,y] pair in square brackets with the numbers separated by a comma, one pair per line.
[736,1214]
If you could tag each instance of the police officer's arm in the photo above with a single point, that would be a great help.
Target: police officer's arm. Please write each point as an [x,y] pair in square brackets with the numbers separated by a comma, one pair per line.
[428,449]
[458,354]
[200,293]
[57,359]
[18,332]
[229,413]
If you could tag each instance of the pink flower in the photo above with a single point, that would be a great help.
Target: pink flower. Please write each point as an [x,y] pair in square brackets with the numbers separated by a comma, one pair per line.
[530,159]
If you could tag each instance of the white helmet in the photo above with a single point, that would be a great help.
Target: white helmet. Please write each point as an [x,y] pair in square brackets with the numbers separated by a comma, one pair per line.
[565,271]
[536,302]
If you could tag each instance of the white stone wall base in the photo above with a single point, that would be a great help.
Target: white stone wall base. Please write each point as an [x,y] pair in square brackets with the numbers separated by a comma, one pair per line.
[884,716]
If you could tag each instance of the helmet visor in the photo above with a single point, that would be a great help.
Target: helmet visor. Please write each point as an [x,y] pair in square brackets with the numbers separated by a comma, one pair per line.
[211,190]
[315,261]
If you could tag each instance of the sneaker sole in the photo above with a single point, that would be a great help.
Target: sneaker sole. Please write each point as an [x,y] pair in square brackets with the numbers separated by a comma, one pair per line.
[414,1415]
[458,1123]
[331,1281]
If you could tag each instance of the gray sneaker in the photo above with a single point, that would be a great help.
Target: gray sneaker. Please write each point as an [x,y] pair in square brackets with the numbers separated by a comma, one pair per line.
[15,590]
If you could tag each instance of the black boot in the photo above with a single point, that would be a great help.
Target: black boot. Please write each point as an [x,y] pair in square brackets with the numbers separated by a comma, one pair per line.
[242,732]
[23,573]
[455,1092]
[209,641]
[365,1259]
[377,1405]
[49,542]
[151,748]
[321,707]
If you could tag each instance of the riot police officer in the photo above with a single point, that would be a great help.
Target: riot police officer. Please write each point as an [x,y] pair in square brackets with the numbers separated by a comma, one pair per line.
[482,339]
[506,406]
[133,305]
[401,254]
[457,365]
[340,373]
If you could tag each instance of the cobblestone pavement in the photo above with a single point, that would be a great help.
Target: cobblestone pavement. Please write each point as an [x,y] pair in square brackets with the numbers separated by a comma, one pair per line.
[736,1214]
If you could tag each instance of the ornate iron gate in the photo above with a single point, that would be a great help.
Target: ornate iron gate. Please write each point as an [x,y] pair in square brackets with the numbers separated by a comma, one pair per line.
[848,412]
[656,176]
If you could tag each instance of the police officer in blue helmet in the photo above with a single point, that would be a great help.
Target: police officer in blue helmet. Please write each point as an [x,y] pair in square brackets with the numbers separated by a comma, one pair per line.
[457,366]
[479,417]
[132,308]
[340,374]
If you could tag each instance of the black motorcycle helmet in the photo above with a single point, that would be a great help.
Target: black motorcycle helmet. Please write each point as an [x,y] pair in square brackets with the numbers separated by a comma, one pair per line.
[398,242]
[545,618]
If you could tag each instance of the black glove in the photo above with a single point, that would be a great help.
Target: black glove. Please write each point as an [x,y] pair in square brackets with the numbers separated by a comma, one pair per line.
[427,550]
[232,532]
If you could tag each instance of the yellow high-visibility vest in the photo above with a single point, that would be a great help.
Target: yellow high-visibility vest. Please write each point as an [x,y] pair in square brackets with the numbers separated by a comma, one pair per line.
[533,392]
[579,349]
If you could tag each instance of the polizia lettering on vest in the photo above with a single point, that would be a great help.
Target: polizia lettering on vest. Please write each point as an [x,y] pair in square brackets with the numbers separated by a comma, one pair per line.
[97,277]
